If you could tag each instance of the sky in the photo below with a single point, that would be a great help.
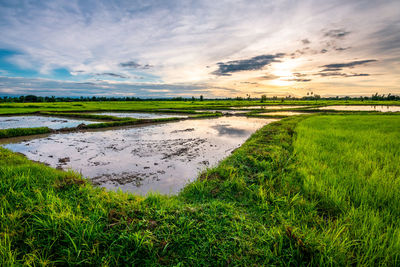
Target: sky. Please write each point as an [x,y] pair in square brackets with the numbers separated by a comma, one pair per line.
[218,49]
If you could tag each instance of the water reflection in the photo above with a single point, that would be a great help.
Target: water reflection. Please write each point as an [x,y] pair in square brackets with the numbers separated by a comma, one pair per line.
[39,121]
[161,157]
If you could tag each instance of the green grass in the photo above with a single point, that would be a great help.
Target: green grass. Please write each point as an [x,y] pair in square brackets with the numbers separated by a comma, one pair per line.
[351,169]
[306,190]
[6,133]
[23,108]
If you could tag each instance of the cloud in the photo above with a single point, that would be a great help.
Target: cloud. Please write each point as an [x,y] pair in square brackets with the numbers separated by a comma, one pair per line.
[340,74]
[45,87]
[268,77]
[134,65]
[298,80]
[338,66]
[254,63]
[114,75]
[337,33]
[298,74]
[342,48]
[180,38]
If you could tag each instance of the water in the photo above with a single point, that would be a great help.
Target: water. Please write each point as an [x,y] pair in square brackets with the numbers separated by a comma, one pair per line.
[40,121]
[160,157]
[283,113]
[138,115]
[363,108]
[268,107]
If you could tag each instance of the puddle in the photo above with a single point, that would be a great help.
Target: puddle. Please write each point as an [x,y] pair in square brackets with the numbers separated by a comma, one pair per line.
[268,107]
[40,121]
[139,115]
[160,157]
[363,108]
[283,113]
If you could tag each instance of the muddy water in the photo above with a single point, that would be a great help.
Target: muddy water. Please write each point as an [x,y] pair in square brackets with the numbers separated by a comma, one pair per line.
[268,107]
[160,157]
[364,108]
[39,121]
[139,115]
[283,113]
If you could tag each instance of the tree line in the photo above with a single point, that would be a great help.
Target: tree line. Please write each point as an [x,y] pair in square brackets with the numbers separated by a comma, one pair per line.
[263,98]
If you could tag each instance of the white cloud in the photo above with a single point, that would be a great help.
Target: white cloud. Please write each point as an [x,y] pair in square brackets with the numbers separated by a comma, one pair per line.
[181,38]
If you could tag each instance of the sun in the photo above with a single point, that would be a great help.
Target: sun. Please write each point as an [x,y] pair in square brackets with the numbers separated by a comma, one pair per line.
[284,72]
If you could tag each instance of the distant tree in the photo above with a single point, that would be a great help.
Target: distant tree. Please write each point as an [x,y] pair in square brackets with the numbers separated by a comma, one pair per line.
[31,98]
[263,98]
[201,98]
[193,99]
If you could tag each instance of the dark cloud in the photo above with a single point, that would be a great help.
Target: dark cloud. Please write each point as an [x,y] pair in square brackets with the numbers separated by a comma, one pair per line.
[115,75]
[299,80]
[342,48]
[249,83]
[268,77]
[134,65]
[337,33]
[254,63]
[339,66]
[298,74]
[341,74]
[305,41]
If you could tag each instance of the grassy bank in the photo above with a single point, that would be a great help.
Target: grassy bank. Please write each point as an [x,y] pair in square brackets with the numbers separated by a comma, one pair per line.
[7,133]
[275,200]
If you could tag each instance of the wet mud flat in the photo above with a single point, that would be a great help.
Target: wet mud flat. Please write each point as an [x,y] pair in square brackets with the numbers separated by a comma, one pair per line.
[160,157]
[141,115]
[363,108]
[32,121]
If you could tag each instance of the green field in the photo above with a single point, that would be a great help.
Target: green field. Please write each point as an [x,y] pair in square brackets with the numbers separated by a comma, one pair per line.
[12,108]
[305,190]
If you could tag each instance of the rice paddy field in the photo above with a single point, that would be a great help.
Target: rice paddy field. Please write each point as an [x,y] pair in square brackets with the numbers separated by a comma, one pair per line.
[301,186]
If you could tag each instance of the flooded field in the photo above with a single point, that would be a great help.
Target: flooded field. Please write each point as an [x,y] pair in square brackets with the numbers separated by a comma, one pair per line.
[268,107]
[160,157]
[283,113]
[363,108]
[40,121]
[141,115]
